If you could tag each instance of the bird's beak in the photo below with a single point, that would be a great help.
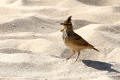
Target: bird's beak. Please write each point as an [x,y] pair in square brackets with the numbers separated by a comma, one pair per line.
[62,23]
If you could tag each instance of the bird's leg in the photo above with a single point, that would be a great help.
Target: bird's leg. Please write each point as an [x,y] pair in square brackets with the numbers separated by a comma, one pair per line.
[73,52]
[78,56]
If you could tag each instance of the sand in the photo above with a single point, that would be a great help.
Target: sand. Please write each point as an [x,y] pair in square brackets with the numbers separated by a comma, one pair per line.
[31,45]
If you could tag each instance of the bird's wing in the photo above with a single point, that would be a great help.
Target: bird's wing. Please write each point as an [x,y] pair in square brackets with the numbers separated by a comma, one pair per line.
[78,40]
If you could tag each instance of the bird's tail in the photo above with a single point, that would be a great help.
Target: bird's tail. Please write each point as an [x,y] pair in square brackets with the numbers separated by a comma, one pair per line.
[96,49]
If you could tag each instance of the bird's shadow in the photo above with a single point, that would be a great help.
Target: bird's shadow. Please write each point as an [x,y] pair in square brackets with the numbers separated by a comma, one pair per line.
[99,65]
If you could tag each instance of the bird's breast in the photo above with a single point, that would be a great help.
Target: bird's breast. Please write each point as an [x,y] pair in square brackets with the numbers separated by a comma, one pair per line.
[65,35]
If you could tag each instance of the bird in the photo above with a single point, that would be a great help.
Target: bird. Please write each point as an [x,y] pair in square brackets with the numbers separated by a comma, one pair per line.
[72,40]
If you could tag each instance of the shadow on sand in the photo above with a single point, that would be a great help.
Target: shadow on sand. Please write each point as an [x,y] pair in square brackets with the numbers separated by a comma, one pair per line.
[93,2]
[99,65]
[14,51]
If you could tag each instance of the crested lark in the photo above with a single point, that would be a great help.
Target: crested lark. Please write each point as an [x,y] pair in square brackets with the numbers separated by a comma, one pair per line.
[72,40]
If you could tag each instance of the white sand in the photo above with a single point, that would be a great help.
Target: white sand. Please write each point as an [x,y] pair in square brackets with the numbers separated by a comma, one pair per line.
[31,46]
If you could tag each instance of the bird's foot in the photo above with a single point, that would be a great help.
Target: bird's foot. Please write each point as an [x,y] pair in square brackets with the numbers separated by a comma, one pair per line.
[67,58]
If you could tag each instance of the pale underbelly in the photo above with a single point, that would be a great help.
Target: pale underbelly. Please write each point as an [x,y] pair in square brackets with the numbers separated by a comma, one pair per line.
[74,47]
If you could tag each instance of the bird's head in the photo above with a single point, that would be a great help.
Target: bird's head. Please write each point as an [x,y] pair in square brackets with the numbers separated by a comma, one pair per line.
[67,24]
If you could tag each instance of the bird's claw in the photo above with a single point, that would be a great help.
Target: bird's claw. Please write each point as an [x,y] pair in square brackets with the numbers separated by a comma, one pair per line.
[67,58]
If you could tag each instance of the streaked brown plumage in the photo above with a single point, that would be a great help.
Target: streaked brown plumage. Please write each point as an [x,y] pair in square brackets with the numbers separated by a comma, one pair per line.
[72,40]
